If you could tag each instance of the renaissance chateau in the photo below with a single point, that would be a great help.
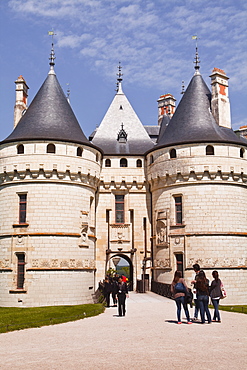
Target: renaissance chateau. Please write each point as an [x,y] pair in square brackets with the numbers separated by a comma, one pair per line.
[160,197]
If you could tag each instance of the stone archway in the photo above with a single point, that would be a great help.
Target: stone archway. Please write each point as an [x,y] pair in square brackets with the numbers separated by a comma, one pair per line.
[128,272]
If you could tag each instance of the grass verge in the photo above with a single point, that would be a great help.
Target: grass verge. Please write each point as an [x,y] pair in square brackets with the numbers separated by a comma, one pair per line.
[12,318]
[239,309]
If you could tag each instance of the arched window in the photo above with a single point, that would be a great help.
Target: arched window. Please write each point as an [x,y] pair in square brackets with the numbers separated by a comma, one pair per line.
[20,149]
[241,153]
[79,152]
[209,150]
[173,153]
[108,162]
[97,157]
[139,163]
[151,159]
[50,148]
[123,162]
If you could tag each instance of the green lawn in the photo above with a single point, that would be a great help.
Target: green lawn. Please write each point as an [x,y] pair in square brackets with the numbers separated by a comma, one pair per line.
[240,309]
[12,318]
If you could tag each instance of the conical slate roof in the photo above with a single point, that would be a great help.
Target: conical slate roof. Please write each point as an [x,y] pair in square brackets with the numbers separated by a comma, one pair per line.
[121,116]
[49,117]
[193,121]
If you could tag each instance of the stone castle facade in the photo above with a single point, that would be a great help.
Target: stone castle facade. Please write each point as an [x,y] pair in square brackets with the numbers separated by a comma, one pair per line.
[162,197]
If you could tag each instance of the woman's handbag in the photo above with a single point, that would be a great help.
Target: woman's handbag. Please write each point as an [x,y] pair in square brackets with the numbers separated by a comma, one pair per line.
[223,291]
[180,288]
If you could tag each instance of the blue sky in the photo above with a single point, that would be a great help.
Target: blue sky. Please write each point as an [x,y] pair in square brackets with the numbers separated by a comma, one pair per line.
[151,38]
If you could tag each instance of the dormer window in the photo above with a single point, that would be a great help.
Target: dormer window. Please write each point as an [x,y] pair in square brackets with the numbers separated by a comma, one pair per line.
[50,148]
[209,150]
[20,149]
[173,153]
[122,135]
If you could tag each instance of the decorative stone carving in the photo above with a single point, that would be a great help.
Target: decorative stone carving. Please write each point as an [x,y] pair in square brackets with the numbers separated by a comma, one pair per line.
[120,233]
[5,263]
[162,263]
[71,263]
[218,262]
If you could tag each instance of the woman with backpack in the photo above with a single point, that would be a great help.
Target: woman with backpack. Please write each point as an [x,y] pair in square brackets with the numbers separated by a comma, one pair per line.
[216,295]
[202,293]
[179,290]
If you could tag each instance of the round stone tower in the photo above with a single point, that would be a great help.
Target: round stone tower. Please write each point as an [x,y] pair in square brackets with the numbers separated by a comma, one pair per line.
[49,173]
[198,180]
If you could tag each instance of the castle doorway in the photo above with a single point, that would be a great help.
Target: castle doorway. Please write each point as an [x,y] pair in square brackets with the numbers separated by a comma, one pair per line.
[123,265]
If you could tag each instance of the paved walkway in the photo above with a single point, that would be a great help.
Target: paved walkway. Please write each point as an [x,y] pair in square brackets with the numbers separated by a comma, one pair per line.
[147,338]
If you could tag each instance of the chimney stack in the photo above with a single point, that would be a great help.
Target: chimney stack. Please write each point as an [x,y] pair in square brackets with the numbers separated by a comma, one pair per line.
[220,103]
[166,106]
[21,99]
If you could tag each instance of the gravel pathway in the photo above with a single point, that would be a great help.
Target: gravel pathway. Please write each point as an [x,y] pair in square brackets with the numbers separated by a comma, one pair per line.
[148,337]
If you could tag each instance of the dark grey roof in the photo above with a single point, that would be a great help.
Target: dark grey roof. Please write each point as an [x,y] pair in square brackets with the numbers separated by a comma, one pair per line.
[164,123]
[49,117]
[131,147]
[193,121]
[152,130]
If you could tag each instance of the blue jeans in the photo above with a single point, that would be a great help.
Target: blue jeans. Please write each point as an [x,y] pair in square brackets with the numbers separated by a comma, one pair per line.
[216,309]
[203,304]
[179,302]
[196,308]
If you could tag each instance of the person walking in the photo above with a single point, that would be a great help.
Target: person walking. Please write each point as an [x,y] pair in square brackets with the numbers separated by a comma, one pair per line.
[179,290]
[107,291]
[121,296]
[215,295]
[202,293]
[196,268]
[114,290]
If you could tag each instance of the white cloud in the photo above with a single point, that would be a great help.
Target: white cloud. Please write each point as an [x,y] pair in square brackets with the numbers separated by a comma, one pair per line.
[152,38]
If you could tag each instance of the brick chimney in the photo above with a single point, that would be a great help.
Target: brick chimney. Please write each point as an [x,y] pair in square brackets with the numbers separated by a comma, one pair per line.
[220,103]
[20,99]
[166,106]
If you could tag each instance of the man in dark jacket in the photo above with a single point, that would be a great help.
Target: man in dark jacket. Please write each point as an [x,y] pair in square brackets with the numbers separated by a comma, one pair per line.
[121,295]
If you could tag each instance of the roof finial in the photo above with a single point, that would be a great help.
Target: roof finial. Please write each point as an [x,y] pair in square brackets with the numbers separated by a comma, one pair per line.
[68,92]
[119,79]
[52,54]
[182,92]
[197,61]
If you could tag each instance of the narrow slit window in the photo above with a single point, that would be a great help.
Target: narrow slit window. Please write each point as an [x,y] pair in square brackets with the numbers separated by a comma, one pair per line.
[178,210]
[119,209]
[22,208]
[20,270]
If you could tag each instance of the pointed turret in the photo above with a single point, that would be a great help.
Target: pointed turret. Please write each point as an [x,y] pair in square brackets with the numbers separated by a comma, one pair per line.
[49,116]
[121,114]
[193,121]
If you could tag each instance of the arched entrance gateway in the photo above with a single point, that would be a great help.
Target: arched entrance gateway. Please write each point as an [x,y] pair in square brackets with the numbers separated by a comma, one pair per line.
[123,265]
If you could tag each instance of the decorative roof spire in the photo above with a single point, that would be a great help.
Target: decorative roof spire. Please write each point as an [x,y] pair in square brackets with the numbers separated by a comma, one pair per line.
[119,79]
[197,59]
[68,92]
[183,87]
[52,54]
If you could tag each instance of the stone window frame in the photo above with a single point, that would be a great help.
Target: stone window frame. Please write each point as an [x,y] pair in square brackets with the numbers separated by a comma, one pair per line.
[51,148]
[20,149]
